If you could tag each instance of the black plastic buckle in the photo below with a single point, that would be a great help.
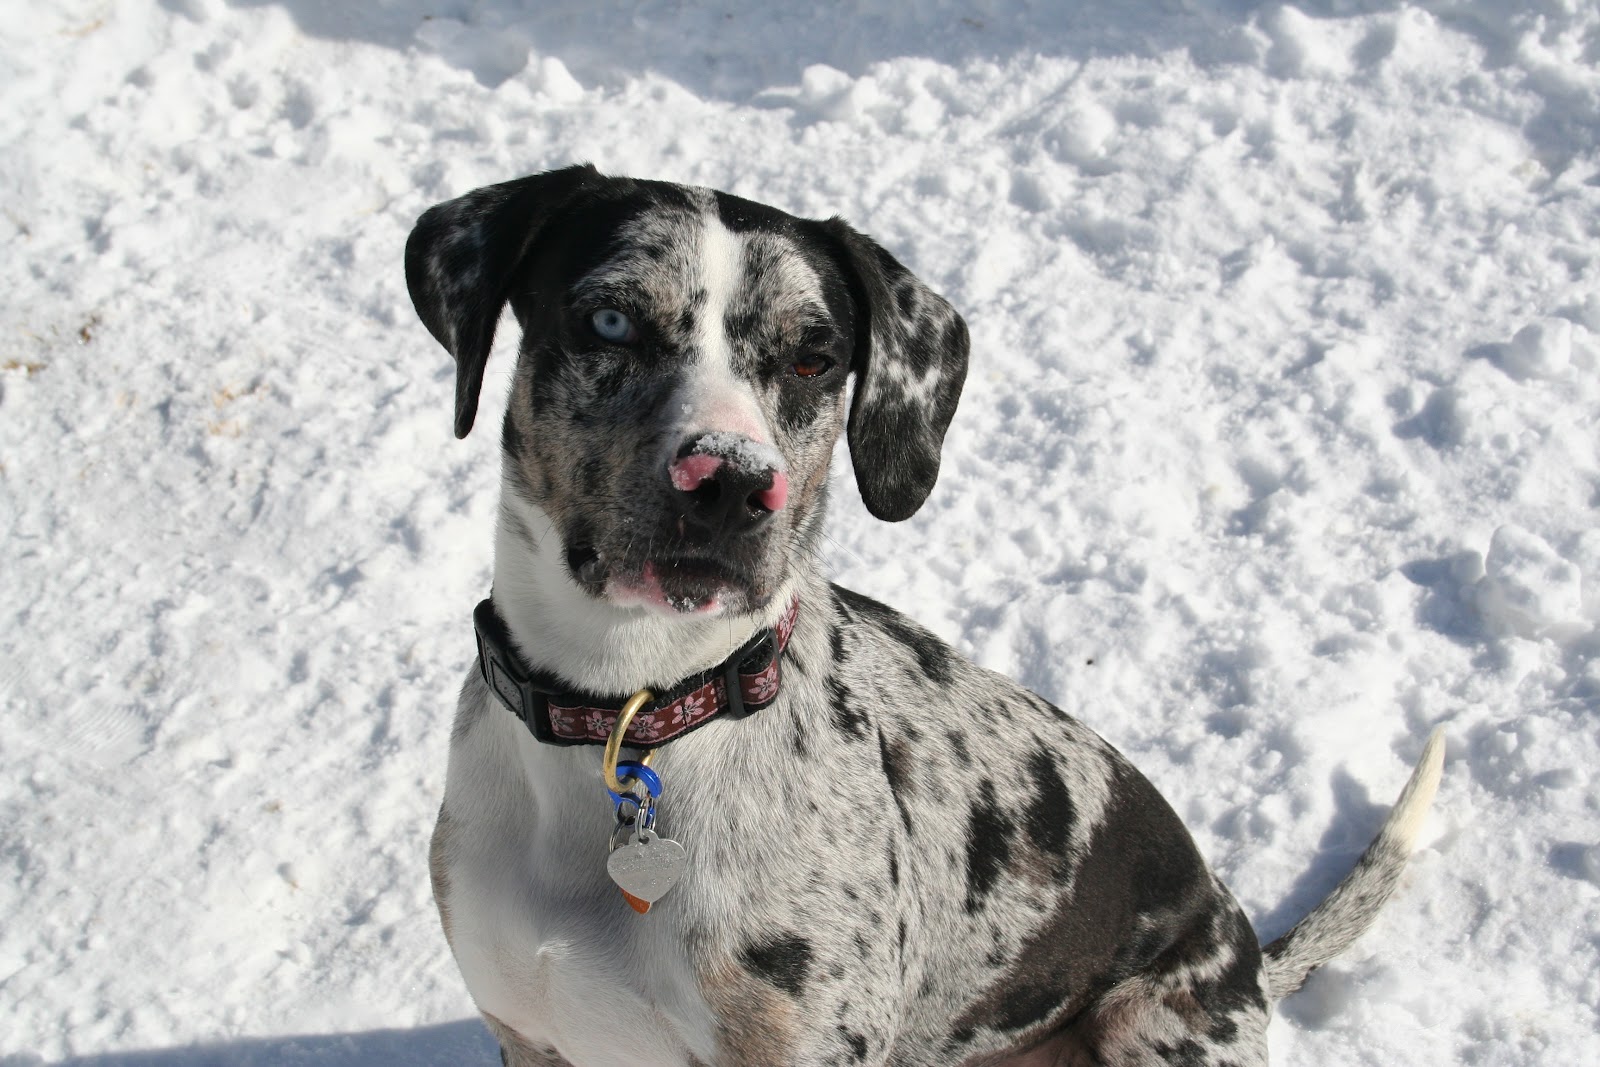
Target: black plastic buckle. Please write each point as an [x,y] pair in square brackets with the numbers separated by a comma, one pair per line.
[757,653]
[519,692]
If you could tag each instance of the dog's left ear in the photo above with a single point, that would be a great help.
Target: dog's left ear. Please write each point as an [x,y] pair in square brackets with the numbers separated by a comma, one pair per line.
[461,262]
[910,361]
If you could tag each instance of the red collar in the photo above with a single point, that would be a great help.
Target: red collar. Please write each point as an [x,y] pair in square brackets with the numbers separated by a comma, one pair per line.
[740,685]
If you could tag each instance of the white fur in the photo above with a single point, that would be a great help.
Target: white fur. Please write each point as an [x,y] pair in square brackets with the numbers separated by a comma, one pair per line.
[1411,809]
[638,1003]
[712,398]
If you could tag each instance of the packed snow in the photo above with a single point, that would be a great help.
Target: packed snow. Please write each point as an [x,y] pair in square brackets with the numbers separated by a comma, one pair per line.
[1279,449]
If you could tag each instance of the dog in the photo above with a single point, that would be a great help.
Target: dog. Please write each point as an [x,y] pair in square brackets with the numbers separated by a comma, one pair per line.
[886,855]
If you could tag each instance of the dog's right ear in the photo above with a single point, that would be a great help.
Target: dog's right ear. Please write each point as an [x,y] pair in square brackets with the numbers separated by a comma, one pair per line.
[462,259]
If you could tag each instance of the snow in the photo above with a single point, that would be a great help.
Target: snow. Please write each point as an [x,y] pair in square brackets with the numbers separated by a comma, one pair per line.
[1279,449]
[741,451]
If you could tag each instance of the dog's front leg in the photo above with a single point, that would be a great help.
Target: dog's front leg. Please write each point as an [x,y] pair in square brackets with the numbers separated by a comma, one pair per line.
[515,1052]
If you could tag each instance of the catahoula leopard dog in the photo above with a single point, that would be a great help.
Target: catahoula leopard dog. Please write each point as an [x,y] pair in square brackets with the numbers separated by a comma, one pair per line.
[884,854]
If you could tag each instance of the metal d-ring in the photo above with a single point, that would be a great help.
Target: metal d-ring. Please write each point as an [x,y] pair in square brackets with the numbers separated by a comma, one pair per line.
[608,765]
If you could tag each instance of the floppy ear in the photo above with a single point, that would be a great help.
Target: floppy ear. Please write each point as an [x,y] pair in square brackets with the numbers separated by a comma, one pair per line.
[462,258]
[910,361]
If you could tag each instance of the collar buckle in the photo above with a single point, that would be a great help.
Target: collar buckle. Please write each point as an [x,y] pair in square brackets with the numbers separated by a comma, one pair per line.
[525,694]
[758,656]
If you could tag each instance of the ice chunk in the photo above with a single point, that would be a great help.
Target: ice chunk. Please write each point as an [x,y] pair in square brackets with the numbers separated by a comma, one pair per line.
[1540,349]
[1527,588]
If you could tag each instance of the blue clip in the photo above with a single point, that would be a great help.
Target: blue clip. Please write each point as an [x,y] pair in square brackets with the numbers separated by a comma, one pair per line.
[634,771]
[620,799]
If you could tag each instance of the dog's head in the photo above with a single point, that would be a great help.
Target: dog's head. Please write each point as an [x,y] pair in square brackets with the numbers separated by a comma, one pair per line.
[682,373]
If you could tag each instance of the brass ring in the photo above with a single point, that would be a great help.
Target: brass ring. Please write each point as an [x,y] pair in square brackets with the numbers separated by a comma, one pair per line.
[608,765]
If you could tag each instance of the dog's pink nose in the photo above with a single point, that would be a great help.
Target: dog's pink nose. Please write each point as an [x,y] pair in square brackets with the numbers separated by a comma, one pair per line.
[726,484]
[775,496]
[691,472]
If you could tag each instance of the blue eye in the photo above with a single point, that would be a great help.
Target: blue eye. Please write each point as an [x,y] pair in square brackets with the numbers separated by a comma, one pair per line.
[609,324]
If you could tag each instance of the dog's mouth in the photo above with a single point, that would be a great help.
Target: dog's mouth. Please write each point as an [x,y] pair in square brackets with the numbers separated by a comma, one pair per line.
[669,582]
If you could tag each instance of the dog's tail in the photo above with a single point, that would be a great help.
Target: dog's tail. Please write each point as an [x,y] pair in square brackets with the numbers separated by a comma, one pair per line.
[1345,913]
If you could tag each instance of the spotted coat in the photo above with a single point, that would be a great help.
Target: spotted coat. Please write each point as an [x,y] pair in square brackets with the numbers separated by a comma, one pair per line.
[906,859]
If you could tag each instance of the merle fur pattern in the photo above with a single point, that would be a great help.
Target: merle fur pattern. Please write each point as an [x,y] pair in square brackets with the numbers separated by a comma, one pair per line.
[906,860]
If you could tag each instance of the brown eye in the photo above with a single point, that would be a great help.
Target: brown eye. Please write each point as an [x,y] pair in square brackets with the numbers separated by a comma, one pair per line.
[810,368]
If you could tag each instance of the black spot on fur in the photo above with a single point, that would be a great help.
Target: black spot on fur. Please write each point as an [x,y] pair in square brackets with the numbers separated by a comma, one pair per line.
[958,745]
[511,442]
[894,772]
[905,298]
[857,1043]
[1237,988]
[745,323]
[988,845]
[932,655]
[1138,900]
[894,866]
[1186,1053]
[1048,708]
[1050,814]
[837,644]
[785,961]
[1145,945]
[612,380]
[848,717]
[1028,1007]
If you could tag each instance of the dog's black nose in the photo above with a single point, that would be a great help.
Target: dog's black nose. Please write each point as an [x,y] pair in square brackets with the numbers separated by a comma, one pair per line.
[726,484]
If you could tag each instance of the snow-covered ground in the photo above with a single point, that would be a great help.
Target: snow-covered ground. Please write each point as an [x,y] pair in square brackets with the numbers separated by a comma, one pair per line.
[1280,448]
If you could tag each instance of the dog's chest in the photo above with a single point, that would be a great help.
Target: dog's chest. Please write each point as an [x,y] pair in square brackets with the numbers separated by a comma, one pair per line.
[542,936]
[548,946]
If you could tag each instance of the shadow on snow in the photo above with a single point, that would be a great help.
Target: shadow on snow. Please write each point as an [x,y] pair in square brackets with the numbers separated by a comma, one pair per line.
[459,1044]
[733,51]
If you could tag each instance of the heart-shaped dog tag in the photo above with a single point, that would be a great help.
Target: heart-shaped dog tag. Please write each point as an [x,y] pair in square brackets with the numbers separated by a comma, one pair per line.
[648,865]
